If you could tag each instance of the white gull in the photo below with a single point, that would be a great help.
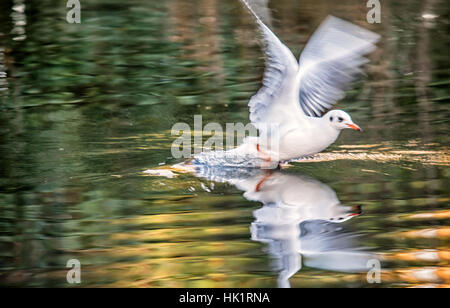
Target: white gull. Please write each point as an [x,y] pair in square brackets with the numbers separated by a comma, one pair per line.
[290,109]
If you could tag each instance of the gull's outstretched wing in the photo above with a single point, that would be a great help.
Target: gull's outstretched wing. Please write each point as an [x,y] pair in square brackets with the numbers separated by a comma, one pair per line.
[279,76]
[330,62]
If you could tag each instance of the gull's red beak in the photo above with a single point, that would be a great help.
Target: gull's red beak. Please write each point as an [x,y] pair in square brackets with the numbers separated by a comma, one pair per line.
[354,126]
[357,210]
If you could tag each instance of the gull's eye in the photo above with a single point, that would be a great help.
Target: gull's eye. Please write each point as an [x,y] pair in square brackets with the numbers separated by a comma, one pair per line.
[340,119]
[331,119]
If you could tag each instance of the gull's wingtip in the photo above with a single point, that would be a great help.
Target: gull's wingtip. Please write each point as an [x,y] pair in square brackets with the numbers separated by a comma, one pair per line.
[332,21]
[253,12]
[247,5]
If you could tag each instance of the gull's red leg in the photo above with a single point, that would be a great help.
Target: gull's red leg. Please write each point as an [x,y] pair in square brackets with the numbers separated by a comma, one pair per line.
[267,158]
[265,178]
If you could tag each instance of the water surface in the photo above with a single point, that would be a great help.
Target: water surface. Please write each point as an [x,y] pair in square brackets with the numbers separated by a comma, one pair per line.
[86,108]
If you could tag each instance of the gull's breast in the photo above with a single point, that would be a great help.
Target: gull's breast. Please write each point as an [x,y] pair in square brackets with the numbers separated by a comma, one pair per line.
[303,142]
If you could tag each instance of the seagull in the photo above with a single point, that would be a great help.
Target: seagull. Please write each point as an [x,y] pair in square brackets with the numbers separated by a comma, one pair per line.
[290,109]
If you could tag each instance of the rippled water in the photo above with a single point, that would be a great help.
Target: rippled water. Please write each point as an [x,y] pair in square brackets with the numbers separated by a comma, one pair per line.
[85,109]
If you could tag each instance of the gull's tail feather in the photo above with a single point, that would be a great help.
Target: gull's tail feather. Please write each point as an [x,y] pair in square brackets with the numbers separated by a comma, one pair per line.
[233,158]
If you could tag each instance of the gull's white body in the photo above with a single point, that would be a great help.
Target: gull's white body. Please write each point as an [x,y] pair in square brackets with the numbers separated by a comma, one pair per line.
[305,140]
[288,110]
[301,140]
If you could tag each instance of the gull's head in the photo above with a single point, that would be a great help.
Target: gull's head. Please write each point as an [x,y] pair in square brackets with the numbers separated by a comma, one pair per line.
[339,119]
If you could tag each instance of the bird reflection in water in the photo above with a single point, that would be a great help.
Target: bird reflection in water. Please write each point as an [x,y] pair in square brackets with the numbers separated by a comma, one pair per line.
[300,221]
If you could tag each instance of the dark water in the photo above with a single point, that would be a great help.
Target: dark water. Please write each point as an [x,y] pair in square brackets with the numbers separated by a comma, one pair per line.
[86,108]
